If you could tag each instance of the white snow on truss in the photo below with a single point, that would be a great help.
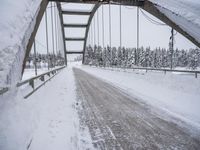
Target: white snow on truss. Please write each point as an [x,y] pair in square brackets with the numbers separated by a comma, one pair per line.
[17,19]
[185,13]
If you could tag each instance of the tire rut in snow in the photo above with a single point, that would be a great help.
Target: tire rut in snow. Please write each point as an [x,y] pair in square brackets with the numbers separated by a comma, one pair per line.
[118,121]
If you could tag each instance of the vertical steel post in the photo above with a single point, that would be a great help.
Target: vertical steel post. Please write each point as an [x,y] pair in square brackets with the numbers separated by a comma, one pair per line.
[94,31]
[34,46]
[172,47]
[110,34]
[120,24]
[55,25]
[47,42]
[138,19]
[98,26]
[110,25]
[92,37]
[103,26]
[52,34]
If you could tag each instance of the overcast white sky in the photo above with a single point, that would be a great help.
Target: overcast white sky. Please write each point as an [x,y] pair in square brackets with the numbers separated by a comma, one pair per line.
[150,34]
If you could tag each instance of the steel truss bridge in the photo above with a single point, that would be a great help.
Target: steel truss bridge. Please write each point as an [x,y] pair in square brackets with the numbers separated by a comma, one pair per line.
[143,4]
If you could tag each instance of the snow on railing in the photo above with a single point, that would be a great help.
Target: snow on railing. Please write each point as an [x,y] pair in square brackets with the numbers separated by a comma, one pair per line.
[156,69]
[31,81]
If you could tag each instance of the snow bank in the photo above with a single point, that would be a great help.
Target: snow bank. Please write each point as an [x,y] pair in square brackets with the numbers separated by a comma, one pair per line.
[176,94]
[185,13]
[46,120]
[17,21]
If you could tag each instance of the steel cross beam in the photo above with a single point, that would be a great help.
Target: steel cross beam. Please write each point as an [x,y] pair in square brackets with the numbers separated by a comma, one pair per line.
[86,26]
[75,12]
[76,25]
[114,2]
[74,52]
[144,4]
[42,8]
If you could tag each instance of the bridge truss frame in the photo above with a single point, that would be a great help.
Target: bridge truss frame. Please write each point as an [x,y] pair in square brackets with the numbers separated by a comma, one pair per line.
[144,4]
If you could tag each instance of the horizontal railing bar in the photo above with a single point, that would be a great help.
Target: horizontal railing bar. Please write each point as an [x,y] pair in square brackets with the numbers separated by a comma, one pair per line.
[38,87]
[165,70]
[36,77]
[5,89]
[169,70]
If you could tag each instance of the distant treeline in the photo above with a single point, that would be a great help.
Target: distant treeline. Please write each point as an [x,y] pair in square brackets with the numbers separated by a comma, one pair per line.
[142,57]
[53,60]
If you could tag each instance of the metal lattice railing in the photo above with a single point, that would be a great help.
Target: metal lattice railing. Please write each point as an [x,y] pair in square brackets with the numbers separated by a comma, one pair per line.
[42,77]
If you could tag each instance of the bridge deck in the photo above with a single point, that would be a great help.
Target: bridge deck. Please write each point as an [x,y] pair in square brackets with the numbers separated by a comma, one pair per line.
[118,121]
[59,115]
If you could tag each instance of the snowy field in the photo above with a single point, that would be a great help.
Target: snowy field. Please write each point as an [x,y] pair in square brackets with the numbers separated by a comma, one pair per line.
[28,73]
[175,93]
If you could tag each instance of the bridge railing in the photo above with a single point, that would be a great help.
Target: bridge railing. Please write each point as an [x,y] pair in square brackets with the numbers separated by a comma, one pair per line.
[44,77]
[156,69]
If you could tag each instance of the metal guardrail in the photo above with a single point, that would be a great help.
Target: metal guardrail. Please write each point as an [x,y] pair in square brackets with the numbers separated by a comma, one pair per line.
[169,70]
[3,90]
[164,70]
[31,82]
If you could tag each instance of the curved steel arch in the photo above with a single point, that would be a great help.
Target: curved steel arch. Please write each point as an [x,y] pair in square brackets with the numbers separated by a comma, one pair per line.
[67,25]
[43,6]
[152,9]
[144,4]
[88,27]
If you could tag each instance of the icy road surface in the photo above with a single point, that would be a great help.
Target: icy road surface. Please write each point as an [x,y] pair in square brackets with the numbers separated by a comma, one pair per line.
[119,121]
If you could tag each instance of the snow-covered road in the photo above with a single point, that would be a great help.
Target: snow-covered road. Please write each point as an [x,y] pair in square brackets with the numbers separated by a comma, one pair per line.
[118,121]
[175,93]
[87,107]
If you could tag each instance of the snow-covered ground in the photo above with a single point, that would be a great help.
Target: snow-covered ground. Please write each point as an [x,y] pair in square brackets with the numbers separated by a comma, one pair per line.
[176,94]
[46,120]
[28,73]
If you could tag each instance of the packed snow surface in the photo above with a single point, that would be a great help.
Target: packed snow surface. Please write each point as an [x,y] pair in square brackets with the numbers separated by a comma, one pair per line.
[176,93]
[46,120]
